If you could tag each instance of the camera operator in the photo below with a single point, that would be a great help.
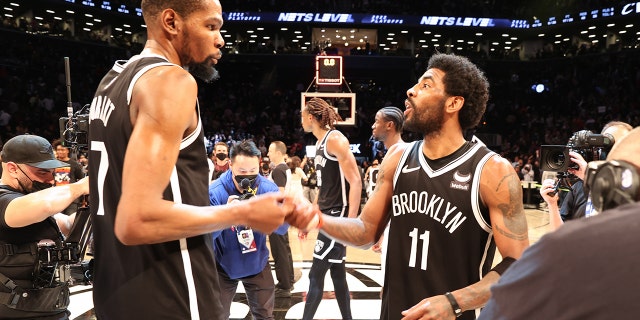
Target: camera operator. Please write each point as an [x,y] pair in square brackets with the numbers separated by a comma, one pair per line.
[587,269]
[575,202]
[31,222]
[241,252]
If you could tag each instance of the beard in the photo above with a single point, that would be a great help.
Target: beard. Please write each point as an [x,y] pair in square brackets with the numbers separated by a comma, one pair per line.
[204,71]
[424,121]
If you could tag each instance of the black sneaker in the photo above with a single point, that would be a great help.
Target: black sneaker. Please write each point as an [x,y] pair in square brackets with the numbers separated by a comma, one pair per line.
[283,293]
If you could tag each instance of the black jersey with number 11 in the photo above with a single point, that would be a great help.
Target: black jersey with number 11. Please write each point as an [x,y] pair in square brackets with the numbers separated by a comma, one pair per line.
[440,236]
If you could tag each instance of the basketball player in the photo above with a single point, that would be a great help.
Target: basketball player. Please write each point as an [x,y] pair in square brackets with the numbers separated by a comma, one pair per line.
[450,202]
[149,174]
[340,186]
[586,269]
[387,128]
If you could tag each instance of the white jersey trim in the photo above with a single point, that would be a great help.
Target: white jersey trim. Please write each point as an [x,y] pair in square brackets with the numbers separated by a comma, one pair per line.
[326,251]
[333,242]
[403,159]
[475,193]
[191,138]
[453,164]
[343,180]
[184,251]
[337,261]
[324,142]
[143,70]
[140,73]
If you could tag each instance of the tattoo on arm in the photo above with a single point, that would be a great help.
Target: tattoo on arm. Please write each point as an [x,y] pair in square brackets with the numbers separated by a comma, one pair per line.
[513,212]
[352,231]
[349,231]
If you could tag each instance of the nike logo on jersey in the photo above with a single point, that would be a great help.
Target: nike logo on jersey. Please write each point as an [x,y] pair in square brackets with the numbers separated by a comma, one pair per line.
[335,211]
[406,169]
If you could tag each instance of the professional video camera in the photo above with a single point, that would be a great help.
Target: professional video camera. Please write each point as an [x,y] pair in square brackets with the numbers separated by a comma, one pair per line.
[74,133]
[74,130]
[589,145]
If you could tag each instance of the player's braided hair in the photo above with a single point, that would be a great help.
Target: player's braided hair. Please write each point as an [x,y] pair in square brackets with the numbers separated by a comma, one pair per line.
[323,112]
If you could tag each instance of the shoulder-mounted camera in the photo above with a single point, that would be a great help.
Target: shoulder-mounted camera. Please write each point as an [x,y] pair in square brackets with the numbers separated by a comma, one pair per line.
[589,145]
[74,130]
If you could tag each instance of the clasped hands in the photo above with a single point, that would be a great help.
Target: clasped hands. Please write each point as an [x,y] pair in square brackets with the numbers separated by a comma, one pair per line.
[269,211]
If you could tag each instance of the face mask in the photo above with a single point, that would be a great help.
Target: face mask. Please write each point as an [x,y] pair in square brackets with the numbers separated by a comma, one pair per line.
[251,179]
[35,185]
[221,156]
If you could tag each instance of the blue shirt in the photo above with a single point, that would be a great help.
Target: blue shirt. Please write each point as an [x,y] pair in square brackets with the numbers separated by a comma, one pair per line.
[234,258]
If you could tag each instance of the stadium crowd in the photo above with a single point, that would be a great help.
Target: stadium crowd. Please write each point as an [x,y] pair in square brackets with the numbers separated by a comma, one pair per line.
[584,91]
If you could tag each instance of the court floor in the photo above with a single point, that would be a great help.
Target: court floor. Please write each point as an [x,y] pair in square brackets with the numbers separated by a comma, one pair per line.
[363,275]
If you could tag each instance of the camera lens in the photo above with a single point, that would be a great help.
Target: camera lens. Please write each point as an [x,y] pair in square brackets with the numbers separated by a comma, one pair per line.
[557,160]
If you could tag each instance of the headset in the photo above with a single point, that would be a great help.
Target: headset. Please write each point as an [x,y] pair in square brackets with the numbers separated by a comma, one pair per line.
[612,183]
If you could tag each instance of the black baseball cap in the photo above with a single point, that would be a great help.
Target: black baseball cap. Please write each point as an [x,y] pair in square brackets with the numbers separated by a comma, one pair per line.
[32,150]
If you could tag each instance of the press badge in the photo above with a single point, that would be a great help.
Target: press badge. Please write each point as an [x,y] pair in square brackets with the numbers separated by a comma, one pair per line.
[247,242]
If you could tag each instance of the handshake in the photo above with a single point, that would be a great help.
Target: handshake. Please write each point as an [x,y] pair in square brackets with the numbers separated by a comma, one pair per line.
[267,212]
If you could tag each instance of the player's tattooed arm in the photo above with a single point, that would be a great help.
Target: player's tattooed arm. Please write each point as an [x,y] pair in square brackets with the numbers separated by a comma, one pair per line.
[512,210]
[364,231]
[503,197]
[361,233]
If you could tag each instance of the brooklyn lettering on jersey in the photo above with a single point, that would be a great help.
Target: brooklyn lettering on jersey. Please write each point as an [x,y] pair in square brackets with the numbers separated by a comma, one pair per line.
[320,160]
[432,206]
[101,108]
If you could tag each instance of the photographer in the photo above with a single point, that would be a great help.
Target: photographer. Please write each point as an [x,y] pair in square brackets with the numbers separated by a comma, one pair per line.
[242,252]
[30,213]
[575,202]
[585,270]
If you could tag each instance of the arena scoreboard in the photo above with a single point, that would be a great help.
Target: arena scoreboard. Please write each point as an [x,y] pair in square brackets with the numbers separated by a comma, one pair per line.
[329,70]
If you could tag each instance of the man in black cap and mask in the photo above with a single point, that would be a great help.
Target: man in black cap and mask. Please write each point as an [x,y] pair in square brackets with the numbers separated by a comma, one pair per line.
[29,213]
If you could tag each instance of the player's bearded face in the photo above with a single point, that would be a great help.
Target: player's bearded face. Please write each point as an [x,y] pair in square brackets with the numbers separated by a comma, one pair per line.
[426,119]
[205,69]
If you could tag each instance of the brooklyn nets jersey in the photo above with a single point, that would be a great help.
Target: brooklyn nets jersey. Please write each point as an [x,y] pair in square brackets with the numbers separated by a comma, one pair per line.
[440,233]
[334,188]
[169,280]
[333,197]
[373,180]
